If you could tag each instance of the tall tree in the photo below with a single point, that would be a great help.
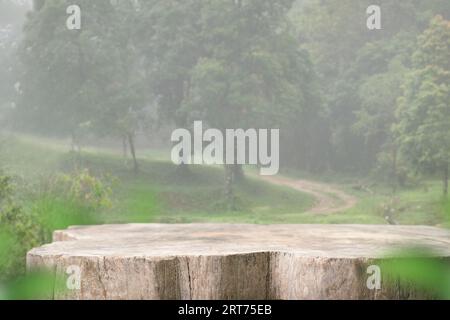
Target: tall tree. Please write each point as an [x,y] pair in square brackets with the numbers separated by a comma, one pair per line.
[90,79]
[172,30]
[347,55]
[120,112]
[423,129]
[58,90]
[252,73]
[12,15]
[377,116]
[172,48]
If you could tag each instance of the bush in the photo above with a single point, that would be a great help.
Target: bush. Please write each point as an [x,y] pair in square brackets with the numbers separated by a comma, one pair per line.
[384,172]
[54,203]
[19,232]
[66,199]
[83,188]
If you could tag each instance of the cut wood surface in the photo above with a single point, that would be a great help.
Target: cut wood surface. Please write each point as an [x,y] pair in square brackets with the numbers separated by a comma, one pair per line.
[221,261]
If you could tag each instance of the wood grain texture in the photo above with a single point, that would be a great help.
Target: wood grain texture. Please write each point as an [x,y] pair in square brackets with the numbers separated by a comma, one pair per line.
[220,261]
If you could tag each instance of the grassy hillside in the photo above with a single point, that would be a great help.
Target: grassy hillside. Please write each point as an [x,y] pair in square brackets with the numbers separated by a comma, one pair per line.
[158,193]
[417,205]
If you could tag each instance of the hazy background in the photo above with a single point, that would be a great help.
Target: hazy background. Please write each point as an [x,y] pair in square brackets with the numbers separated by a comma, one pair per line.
[86,115]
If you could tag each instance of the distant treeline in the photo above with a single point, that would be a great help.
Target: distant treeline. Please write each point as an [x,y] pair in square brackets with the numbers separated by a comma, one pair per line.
[346,98]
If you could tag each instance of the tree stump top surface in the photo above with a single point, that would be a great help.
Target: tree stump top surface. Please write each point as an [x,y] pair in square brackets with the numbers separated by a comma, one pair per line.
[168,240]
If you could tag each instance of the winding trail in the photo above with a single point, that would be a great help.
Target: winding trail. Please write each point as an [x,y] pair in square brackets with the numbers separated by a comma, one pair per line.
[329,199]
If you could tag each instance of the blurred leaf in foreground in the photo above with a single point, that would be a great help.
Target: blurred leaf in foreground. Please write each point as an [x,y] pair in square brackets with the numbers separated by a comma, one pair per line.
[420,267]
[33,286]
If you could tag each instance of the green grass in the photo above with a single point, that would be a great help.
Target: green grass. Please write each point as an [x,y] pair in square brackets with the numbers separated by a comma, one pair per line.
[158,193]
[421,205]
[413,206]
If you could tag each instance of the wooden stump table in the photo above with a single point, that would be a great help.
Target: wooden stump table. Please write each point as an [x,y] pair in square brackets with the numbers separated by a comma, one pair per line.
[221,261]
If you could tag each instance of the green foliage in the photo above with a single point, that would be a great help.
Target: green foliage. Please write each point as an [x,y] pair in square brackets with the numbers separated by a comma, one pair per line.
[56,202]
[252,72]
[418,266]
[360,71]
[423,128]
[75,198]
[446,211]
[34,286]
[18,231]
[310,68]
[81,186]
[78,81]
[173,45]
[377,113]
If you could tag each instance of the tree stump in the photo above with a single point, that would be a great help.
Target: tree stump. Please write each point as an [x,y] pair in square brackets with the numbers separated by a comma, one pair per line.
[221,261]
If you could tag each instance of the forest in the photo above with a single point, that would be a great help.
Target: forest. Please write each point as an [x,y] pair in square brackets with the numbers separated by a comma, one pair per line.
[87,114]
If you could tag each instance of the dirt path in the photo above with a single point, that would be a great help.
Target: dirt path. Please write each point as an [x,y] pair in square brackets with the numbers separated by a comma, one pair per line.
[329,199]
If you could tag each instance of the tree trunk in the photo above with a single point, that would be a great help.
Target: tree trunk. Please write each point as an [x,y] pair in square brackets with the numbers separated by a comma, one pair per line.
[76,150]
[183,171]
[133,152]
[72,143]
[238,173]
[445,178]
[229,195]
[125,150]
[394,168]
[123,262]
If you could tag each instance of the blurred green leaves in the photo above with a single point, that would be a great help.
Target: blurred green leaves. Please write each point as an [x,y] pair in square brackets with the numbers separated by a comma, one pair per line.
[33,286]
[419,268]
[51,204]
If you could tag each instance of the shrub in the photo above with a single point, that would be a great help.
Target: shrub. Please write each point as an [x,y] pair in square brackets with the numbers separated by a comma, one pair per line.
[55,203]
[19,232]
[83,188]
[66,199]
